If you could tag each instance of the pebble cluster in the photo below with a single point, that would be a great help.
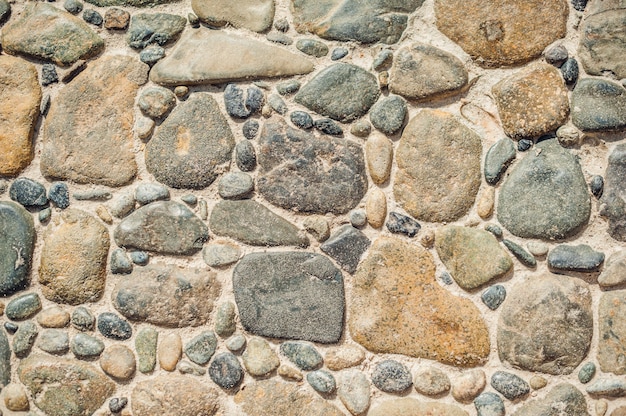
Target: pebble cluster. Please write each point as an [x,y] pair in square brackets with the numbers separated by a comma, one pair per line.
[304,207]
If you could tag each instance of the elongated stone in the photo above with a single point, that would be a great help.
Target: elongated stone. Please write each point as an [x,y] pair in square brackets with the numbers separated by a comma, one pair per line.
[379,154]
[498,158]
[16,247]
[562,399]
[174,395]
[256,15]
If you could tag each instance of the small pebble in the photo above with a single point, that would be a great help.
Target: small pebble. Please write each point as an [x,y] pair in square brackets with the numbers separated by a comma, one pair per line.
[602,406]
[489,404]
[143,127]
[361,128]
[446,278]
[45,104]
[328,126]
[312,47]
[221,254]
[28,193]
[116,404]
[358,218]
[568,136]
[152,54]
[194,21]
[383,60]
[201,348]
[245,156]
[236,342]
[402,224]
[24,338]
[431,381]
[484,206]
[587,372]
[383,79]
[556,55]
[59,194]
[83,319]
[301,119]
[522,255]
[282,25]
[537,249]
[116,19]
[120,263]
[391,376]
[169,351]
[303,354]
[189,199]
[468,385]
[317,226]
[288,87]
[494,229]
[146,348]
[86,346]
[225,317]
[608,387]
[49,72]
[579,5]
[290,372]
[44,215]
[250,129]
[23,307]
[181,91]
[123,204]
[388,114]
[11,327]
[73,6]
[596,184]
[118,362]
[524,144]
[225,370]
[93,17]
[156,102]
[428,239]
[150,192]
[509,385]
[140,258]
[345,356]
[15,398]
[54,341]
[97,194]
[203,210]
[279,38]
[277,104]
[259,359]
[494,296]
[570,71]
[338,53]
[322,381]
[538,382]
[112,326]
[53,317]
[186,367]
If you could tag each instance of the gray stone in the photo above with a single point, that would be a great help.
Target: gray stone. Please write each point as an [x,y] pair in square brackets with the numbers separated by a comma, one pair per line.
[245,156]
[23,306]
[82,319]
[494,296]
[236,343]
[288,87]
[293,173]
[54,341]
[146,347]
[293,295]
[167,295]
[564,399]
[431,381]
[24,338]
[112,326]
[86,346]
[312,47]
[225,317]
[509,385]
[556,55]
[5,10]
[235,185]
[174,394]
[259,359]
[16,247]
[5,360]
[140,258]
[131,3]
[346,246]
[59,195]
[391,376]
[607,387]
[93,17]
[586,372]
[156,102]
[602,47]
[614,272]
[388,114]
[497,160]
[152,54]
[322,381]
[402,224]
[165,227]
[520,253]
[225,370]
[489,404]
[599,105]
[277,104]
[120,263]
[545,195]
[159,28]
[239,107]
[343,92]
[255,15]
[201,348]
[328,126]
[301,119]
[533,312]
[302,354]
[28,193]
[579,258]
[570,71]
[612,205]
[221,254]
[191,157]
[353,389]
[186,367]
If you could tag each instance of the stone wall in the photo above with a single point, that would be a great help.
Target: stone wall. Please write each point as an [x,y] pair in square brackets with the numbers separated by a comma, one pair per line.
[306,207]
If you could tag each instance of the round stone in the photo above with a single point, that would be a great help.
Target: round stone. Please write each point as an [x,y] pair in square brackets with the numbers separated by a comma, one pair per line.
[391,376]
[59,194]
[15,398]
[509,385]
[83,319]
[201,348]
[388,114]
[236,342]
[53,317]
[118,361]
[468,385]
[225,370]
[322,381]
[156,102]
[301,119]
[86,346]
[586,372]
[556,55]
[431,381]
[53,341]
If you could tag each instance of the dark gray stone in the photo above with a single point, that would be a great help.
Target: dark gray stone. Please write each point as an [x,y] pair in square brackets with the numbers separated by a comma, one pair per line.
[93,17]
[59,194]
[613,205]
[312,47]
[498,158]
[279,38]
[602,46]
[564,399]
[86,346]
[494,229]
[159,28]
[302,354]
[288,87]
[17,229]
[239,107]
[235,185]
[301,119]
[277,104]
[201,348]
[402,224]
[82,319]
[322,381]
[250,129]
[24,338]
[579,5]
[489,404]
[388,114]
[293,295]
[117,404]
[49,74]
[73,6]
[23,306]
[545,195]
[598,105]
[54,341]
[520,253]
[580,258]
[5,360]
[383,60]
[494,296]
[596,185]
[245,156]
[509,385]
[570,71]
[327,126]
[392,376]
[151,192]
[338,53]
[11,327]
[225,370]
[120,263]
[44,215]
[298,172]
[346,246]
[28,193]
[112,326]
[343,92]
[586,372]
[152,54]
[165,227]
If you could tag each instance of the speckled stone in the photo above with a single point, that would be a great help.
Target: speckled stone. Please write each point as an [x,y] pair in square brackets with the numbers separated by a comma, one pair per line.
[346,246]
[612,339]
[388,114]
[159,28]
[24,338]
[112,326]
[578,258]
[86,346]
[612,202]
[614,272]
[607,387]
[312,47]
[322,381]
[598,105]
[236,185]
[562,399]
[53,341]
[601,48]
[173,394]
[236,343]
[391,376]
[509,385]
[494,296]
[169,351]
[201,348]
[83,319]
[23,306]
[225,370]
[489,404]
[302,354]
[53,317]
[586,372]
[146,347]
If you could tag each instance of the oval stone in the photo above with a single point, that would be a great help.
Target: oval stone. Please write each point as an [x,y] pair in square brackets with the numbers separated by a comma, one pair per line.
[17,241]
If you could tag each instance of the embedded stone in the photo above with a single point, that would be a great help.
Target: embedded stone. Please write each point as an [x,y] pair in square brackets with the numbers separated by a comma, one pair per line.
[5,360]
[376,208]
[346,246]
[302,354]
[613,206]
[468,385]
[602,47]
[353,389]
[431,381]
[118,362]
[225,370]
[564,399]
[256,15]
[146,347]
[388,114]
[156,102]
[86,346]
[407,406]
[221,254]
[149,28]
[497,160]
[578,258]
[16,247]
[379,154]
[23,306]
[173,394]
[201,348]
[259,359]
[509,385]
[599,105]
[612,339]
[614,272]
[169,352]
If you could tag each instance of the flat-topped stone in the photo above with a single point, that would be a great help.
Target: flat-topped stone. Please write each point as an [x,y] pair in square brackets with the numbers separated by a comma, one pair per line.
[602,47]
[256,15]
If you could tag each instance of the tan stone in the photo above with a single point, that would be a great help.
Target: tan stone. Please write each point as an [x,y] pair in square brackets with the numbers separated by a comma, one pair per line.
[502,32]
[20,96]
[259,358]
[118,361]
[538,382]
[103,214]
[614,272]
[612,339]
[15,398]
[602,406]
[376,208]
[379,154]
[169,351]
[256,15]
[412,407]
[289,372]
[88,136]
[73,259]
[53,317]
[468,385]
[532,102]
[397,307]
[346,356]
[173,394]
[438,167]
[484,208]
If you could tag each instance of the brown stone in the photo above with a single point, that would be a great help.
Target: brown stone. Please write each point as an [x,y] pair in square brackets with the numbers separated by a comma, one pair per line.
[88,136]
[376,208]
[502,32]
[118,361]
[532,102]
[73,259]
[438,167]
[379,155]
[169,352]
[484,207]
[174,395]
[116,19]
[15,398]
[20,96]
[411,407]
[614,272]
[346,356]
[612,339]
[468,385]
[397,307]
[53,317]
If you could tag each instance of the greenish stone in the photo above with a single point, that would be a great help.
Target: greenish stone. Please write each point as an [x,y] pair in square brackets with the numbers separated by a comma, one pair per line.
[149,28]
[17,241]
[201,348]
[564,399]
[146,347]
[225,320]
[24,338]
[5,360]
[599,105]
[522,255]
[86,346]
[302,354]
[497,160]
[23,306]
[586,373]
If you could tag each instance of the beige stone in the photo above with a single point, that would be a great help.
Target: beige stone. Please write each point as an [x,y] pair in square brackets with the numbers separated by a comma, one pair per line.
[20,96]
[612,339]
[104,214]
[397,307]
[614,272]
[259,358]
[376,207]
[256,15]
[602,406]
[174,394]
[15,398]
[289,372]
[53,317]
[412,407]
[345,356]
[468,385]
[484,208]
[118,361]
[169,351]
[538,382]
[379,155]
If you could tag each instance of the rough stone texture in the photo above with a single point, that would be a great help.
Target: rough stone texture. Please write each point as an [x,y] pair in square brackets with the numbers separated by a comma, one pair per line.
[62,387]
[192,146]
[438,167]
[412,407]
[73,259]
[184,66]
[612,339]
[293,173]
[532,102]
[397,307]
[545,195]
[564,399]
[173,394]
[422,71]
[353,389]
[614,272]
[88,133]
[20,97]
[535,310]
[149,28]
[146,347]
[256,15]
[472,256]
[17,230]
[603,43]
[613,206]
[291,295]
[5,360]
[165,227]
[504,32]
[167,295]
[578,258]
[431,381]
[259,359]
[346,246]
[468,385]
[598,105]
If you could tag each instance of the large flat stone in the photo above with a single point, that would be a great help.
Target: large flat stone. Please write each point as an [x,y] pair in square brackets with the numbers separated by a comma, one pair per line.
[47,32]
[612,339]
[174,394]
[438,167]
[408,406]
[88,135]
[17,244]
[293,295]
[20,97]
[309,173]
[397,307]
[217,64]
[256,15]
[602,47]
[192,146]
[564,399]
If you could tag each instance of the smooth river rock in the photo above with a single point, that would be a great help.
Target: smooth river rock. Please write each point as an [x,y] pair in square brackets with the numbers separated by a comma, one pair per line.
[17,229]
[599,105]
[431,323]
[256,15]
[174,394]
[613,205]
[438,167]
[564,399]
[407,406]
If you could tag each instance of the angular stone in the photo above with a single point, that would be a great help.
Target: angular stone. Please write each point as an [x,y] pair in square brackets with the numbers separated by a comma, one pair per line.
[83,319]
[251,223]
[472,256]
[192,146]
[564,399]
[545,195]
[431,323]
[169,296]
[149,28]
[293,295]
[343,92]
[502,33]
[88,135]
[17,229]
[175,395]
[184,66]
[535,310]
[602,47]
[411,407]
[579,258]
[46,32]
[165,227]
[256,15]
[277,398]
[307,173]
[345,20]
[379,153]
[612,339]
[598,105]
[422,71]
[346,246]
[259,359]
[498,158]
[20,97]
[62,387]
[532,102]
[28,193]
[112,326]
[438,167]
[614,272]
[73,259]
